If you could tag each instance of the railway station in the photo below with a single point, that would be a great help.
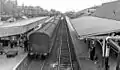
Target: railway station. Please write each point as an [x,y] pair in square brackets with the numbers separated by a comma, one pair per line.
[33,38]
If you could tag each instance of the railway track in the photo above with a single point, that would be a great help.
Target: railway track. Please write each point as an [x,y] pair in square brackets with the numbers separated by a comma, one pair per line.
[62,56]
[65,61]
[67,57]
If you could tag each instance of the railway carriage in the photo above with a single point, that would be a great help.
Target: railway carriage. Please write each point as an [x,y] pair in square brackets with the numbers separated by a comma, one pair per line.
[41,41]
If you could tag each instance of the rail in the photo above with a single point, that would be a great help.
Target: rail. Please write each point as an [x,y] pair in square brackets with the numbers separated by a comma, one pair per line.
[65,60]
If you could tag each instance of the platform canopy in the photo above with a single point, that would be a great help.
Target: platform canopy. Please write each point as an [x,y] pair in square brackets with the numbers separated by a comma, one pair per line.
[89,26]
[19,27]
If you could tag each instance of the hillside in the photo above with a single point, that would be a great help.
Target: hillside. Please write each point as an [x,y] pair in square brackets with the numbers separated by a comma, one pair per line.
[110,10]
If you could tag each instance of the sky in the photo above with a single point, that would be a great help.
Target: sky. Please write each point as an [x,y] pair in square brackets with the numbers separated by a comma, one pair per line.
[63,5]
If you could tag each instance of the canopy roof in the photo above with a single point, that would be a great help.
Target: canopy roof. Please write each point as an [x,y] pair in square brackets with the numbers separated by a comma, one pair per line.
[89,25]
[18,27]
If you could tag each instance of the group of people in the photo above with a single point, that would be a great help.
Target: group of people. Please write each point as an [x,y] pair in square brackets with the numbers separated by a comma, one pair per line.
[23,42]
[93,56]
[15,41]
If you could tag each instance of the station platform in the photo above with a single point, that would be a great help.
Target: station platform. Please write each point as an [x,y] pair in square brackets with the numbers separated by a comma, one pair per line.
[13,62]
[81,50]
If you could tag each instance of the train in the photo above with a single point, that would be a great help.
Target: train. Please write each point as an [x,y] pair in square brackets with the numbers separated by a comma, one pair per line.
[42,40]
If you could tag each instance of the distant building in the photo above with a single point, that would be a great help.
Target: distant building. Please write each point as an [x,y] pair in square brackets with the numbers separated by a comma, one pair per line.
[8,7]
[88,11]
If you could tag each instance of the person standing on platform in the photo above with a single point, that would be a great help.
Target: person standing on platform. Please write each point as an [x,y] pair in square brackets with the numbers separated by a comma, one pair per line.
[13,42]
[21,41]
[25,44]
[1,49]
[92,52]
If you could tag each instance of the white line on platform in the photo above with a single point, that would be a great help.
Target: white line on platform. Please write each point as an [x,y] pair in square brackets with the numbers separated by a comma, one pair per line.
[19,62]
